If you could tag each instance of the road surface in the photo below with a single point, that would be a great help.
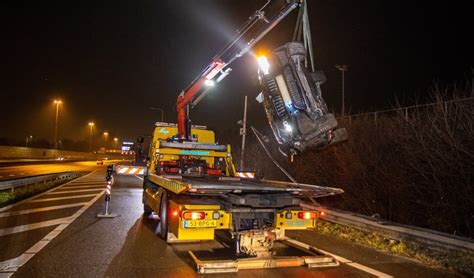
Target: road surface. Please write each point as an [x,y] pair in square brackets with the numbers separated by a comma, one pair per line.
[57,234]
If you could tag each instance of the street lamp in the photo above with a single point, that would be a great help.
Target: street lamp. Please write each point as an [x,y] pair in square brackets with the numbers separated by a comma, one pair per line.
[57,102]
[342,68]
[105,139]
[115,142]
[159,109]
[29,139]
[91,125]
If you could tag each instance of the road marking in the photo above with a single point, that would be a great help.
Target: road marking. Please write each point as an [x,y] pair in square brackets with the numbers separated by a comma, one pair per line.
[26,211]
[61,198]
[80,186]
[343,260]
[74,191]
[33,226]
[138,177]
[9,267]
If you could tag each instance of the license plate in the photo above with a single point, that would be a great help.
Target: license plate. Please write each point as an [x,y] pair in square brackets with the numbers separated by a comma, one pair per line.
[199,223]
[299,223]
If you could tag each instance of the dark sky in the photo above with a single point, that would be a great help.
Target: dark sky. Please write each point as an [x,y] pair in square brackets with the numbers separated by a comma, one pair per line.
[109,61]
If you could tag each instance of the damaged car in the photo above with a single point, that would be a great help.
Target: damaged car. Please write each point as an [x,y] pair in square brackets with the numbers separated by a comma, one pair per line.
[294,106]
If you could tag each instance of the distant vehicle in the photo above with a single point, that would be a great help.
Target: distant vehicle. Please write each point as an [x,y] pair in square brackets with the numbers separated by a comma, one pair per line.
[60,158]
[100,162]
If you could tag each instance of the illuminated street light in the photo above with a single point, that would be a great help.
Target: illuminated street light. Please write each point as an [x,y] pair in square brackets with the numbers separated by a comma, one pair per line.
[91,125]
[29,139]
[105,139]
[57,102]
[115,142]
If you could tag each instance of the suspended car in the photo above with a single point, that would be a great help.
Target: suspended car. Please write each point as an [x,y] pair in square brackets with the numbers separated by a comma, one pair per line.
[291,96]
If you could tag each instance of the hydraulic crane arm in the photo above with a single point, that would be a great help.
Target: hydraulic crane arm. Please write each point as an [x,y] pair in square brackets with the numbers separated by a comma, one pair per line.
[251,32]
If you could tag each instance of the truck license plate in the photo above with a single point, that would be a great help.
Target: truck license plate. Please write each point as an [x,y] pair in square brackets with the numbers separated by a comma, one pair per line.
[299,223]
[199,223]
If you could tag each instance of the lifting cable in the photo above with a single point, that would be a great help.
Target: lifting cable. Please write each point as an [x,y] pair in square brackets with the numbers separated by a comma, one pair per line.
[259,138]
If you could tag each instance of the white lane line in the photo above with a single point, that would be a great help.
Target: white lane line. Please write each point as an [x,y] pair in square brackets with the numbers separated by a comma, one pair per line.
[138,177]
[33,226]
[75,191]
[87,182]
[61,198]
[79,186]
[26,211]
[344,260]
[9,267]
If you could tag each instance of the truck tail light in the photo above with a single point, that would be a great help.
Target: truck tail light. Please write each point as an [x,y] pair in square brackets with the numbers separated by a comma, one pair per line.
[174,213]
[306,215]
[193,215]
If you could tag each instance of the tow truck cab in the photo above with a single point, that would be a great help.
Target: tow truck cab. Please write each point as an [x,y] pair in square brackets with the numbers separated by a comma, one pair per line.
[201,157]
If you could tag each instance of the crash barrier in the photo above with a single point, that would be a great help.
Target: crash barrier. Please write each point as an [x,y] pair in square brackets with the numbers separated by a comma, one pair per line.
[11,152]
[430,239]
[15,183]
[129,170]
[109,181]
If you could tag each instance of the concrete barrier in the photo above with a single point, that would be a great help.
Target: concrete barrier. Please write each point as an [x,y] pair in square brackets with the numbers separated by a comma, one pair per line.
[9,152]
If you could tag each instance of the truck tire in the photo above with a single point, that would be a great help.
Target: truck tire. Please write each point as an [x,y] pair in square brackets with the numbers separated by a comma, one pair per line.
[162,228]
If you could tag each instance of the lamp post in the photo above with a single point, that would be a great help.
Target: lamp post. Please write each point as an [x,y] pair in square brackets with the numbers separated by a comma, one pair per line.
[115,142]
[105,139]
[342,68]
[91,125]
[29,139]
[159,109]
[57,102]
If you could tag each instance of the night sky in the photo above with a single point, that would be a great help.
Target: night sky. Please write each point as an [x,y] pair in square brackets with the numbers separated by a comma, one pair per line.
[109,61]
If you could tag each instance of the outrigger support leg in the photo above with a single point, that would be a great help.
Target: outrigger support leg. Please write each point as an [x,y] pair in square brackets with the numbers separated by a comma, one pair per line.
[314,259]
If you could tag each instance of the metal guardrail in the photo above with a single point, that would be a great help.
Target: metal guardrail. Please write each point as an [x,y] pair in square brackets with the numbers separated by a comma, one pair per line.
[428,238]
[12,184]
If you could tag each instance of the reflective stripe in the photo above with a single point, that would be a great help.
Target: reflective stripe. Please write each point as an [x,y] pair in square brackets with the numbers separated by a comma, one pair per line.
[122,170]
[248,175]
[127,170]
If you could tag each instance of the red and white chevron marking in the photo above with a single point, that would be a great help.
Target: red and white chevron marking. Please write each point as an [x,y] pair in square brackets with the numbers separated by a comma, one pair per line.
[130,170]
[246,175]
[108,188]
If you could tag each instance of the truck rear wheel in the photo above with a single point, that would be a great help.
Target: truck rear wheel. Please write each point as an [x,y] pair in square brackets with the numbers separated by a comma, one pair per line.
[162,229]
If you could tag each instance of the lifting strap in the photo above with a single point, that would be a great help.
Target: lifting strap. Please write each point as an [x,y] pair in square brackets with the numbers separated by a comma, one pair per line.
[303,31]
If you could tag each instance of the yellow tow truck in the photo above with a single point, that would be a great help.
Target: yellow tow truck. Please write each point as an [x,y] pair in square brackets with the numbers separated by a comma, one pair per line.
[192,186]
[196,192]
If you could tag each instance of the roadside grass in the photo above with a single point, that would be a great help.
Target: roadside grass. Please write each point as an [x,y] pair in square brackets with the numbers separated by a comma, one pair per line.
[9,197]
[457,261]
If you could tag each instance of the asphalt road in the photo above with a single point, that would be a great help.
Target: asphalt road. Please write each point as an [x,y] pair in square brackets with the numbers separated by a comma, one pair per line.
[57,234]
[21,171]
